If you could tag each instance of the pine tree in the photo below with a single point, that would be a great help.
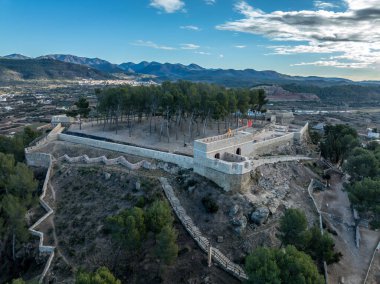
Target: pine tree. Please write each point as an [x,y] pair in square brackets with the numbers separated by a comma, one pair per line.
[166,247]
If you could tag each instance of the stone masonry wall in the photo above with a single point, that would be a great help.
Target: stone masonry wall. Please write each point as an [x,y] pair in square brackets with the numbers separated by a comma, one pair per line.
[182,161]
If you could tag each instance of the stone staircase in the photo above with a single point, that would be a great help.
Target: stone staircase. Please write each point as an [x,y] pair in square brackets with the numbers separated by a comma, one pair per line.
[196,234]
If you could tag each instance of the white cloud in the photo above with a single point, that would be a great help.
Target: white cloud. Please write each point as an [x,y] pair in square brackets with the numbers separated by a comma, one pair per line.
[240,46]
[333,63]
[202,52]
[190,28]
[189,46]
[362,4]
[210,2]
[221,56]
[169,6]
[152,45]
[324,5]
[352,37]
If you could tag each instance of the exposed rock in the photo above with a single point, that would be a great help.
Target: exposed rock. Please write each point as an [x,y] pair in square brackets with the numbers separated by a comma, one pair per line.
[138,185]
[273,204]
[240,223]
[220,239]
[107,176]
[260,215]
[190,189]
[234,210]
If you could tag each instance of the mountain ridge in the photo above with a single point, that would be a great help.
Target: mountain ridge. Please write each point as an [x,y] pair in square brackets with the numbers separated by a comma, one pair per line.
[33,69]
[193,72]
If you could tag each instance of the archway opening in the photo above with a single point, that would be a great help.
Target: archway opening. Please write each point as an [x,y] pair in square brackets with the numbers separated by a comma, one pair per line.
[238,151]
[217,156]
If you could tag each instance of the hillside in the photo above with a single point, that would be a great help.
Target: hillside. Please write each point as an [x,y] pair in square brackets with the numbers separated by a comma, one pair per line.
[355,94]
[277,94]
[26,69]
[96,63]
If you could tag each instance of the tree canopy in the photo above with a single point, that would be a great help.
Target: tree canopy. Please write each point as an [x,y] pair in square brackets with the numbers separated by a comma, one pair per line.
[338,141]
[294,231]
[292,227]
[101,276]
[178,102]
[286,265]
[16,145]
[129,230]
[18,193]
[167,248]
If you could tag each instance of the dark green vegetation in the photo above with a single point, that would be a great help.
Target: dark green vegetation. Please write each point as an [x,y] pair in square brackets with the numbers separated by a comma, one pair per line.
[101,276]
[15,145]
[180,103]
[18,193]
[82,108]
[285,265]
[294,231]
[341,143]
[338,141]
[363,165]
[33,69]
[339,94]
[302,252]
[130,229]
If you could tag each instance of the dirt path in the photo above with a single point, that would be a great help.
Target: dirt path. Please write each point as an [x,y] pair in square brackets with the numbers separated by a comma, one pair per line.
[337,213]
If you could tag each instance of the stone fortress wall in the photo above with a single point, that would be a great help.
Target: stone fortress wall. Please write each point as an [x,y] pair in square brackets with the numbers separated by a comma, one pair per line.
[216,157]
[182,161]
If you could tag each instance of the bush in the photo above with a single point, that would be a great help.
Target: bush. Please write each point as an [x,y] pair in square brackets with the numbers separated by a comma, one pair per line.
[159,214]
[140,202]
[167,248]
[210,204]
[101,276]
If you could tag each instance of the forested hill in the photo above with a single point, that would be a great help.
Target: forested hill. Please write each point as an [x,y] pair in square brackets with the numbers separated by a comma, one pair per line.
[26,69]
[344,93]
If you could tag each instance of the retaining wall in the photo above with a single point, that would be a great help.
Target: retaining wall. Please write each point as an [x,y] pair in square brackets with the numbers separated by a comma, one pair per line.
[182,161]
[42,160]
[310,191]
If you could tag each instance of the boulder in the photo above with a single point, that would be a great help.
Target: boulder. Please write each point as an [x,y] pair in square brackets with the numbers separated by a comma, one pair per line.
[190,189]
[260,215]
[240,223]
[107,176]
[138,185]
[234,210]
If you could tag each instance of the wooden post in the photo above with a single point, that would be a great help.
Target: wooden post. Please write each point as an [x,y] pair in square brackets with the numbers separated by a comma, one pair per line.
[209,256]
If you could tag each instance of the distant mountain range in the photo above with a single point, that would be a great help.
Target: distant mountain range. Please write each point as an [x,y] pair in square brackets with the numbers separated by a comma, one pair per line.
[60,66]
[29,69]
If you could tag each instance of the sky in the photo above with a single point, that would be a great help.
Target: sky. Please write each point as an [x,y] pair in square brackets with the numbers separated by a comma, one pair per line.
[335,38]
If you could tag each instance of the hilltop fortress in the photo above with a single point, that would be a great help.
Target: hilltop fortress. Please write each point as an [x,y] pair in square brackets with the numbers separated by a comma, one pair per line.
[228,160]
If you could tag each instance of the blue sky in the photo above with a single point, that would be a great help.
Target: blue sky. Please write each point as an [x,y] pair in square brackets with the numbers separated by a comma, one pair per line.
[296,37]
